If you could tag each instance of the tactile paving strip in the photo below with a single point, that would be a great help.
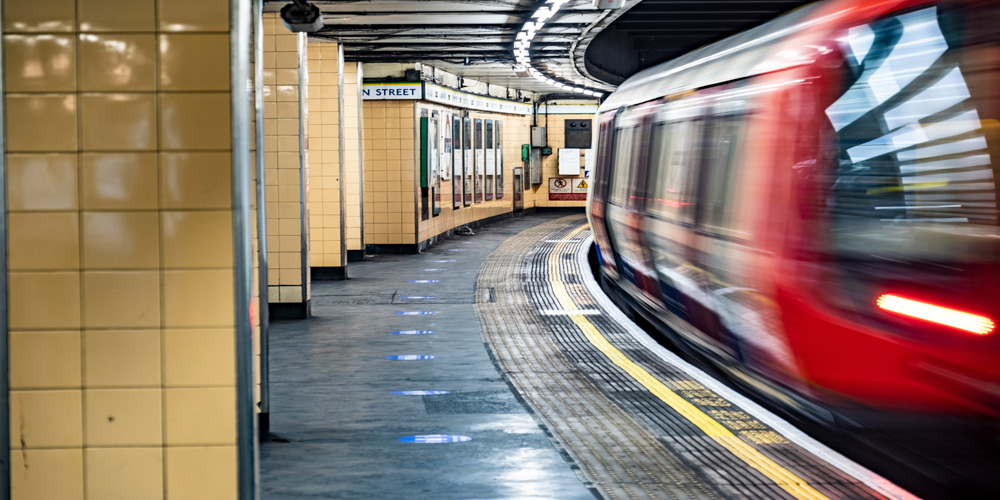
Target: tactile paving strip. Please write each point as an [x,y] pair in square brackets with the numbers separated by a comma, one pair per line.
[628,442]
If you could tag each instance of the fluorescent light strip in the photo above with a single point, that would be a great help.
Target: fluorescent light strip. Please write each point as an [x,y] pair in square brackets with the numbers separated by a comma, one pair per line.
[522,47]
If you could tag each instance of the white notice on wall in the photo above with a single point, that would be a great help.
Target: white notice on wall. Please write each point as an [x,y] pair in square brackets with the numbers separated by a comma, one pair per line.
[569,161]
[588,162]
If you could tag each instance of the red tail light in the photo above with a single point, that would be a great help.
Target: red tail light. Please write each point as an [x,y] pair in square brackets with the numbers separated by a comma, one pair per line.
[973,323]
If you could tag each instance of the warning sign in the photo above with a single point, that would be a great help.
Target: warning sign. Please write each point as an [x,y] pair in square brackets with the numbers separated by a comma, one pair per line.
[567,189]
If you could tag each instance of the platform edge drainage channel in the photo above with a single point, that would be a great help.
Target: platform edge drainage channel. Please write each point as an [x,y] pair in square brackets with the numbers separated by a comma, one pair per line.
[412,332]
[435,439]
[410,357]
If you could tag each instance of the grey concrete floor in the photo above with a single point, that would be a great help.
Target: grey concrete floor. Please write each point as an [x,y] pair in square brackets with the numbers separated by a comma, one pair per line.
[331,386]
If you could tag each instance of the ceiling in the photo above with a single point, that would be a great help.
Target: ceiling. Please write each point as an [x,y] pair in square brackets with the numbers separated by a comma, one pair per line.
[474,38]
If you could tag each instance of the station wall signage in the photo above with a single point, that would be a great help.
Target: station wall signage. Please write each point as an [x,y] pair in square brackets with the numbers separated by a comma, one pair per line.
[568,188]
[452,97]
[392,91]
[441,95]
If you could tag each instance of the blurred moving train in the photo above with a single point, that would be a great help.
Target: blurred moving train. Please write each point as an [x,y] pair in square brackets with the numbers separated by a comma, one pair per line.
[812,204]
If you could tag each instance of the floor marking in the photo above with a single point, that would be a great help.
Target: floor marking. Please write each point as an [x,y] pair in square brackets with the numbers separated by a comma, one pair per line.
[415,313]
[435,439]
[874,481]
[410,357]
[417,297]
[434,270]
[781,476]
[566,312]
[420,393]
[425,281]
[412,332]
[443,261]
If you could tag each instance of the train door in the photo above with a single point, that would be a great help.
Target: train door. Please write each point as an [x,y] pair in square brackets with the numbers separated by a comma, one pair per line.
[669,215]
[628,192]
[597,199]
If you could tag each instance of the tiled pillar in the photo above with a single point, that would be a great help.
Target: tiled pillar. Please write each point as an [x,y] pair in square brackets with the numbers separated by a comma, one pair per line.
[326,259]
[353,175]
[389,174]
[288,285]
[121,278]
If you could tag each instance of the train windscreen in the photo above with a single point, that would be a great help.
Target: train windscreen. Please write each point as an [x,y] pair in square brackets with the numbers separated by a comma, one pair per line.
[913,201]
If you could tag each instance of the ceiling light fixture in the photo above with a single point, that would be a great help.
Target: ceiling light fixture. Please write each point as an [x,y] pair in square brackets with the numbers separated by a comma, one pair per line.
[522,48]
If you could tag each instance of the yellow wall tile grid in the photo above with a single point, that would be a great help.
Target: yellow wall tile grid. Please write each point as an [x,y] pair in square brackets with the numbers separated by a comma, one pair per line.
[390,170]
[324,156]
[286,256]
[555,132]
[121,284]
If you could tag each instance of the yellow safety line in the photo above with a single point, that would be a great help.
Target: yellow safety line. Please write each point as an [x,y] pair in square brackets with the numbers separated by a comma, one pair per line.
[781,476]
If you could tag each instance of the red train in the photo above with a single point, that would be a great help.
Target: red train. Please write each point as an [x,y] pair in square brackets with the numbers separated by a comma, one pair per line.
[813,204]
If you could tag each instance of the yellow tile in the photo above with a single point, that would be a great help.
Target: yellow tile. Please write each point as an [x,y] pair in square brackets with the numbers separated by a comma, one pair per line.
[121,299]
[122,358]
[44,360]
[42,182]
[118,417]
[196,180]
[290,294]
[46,419]
[198,298]
[194,15]
[122,122]
[118,181]
[201,473]
[117,62]
[125,473]
[33,15]
[197,239]
[44,122]
[40,63]
[194,121]
[201,416]
[120,240]
[32,473]
[44,300]
[286,43]
[199,357]
[194,62]
[101,15]
[44,241]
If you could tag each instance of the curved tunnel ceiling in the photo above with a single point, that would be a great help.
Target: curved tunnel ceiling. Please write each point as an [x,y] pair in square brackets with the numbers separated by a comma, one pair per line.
[656,31]
[580,45]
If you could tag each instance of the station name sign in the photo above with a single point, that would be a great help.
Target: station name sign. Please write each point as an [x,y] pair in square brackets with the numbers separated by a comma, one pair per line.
[441,95]
[390,91]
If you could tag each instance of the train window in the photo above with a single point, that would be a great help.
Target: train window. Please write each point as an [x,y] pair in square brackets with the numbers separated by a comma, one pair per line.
[674,165]
[622,166]
[721,149]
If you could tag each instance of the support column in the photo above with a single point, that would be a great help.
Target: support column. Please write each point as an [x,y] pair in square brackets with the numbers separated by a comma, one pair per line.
[287,227]
[128,249]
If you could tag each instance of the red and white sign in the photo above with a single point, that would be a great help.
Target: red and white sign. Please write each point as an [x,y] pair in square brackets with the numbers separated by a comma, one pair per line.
[567,189]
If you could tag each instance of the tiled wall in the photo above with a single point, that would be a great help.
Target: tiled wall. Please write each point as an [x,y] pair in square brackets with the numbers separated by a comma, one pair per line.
[515,133]
[281,153]
[121,256]
[389,173]
[352,157]
[555,132]
[324,155]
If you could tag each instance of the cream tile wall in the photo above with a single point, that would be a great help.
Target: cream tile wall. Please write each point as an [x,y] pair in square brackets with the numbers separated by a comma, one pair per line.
[389,173]
[352,157]
[515,133]
[281,150]
[121,256]
[324,156]
[556,131]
